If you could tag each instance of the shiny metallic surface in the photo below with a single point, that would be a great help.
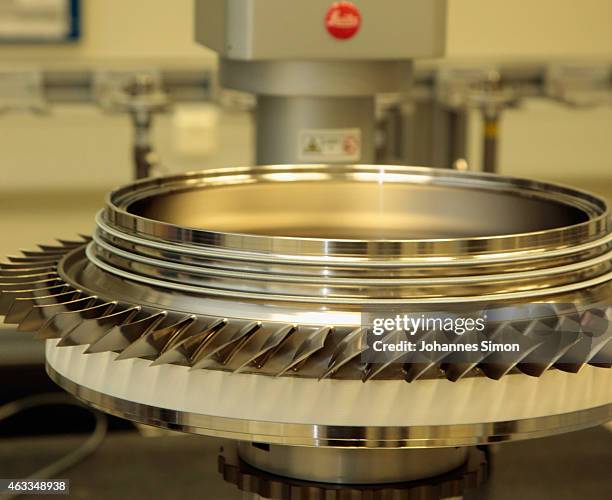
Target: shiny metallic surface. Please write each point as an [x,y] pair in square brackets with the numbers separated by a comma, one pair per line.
[265,273]
[471,471]
[204,270]
[352,466]
[355,234]
[329,79]
[431,436]
[157,207]
[281,121]
[285,340]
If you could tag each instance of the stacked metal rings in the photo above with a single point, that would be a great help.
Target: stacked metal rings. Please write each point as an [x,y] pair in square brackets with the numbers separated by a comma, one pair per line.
[407,236]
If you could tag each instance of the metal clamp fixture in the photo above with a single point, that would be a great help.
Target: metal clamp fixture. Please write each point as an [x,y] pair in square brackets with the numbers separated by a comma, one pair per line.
[580,85]
[482,89]
[140,95]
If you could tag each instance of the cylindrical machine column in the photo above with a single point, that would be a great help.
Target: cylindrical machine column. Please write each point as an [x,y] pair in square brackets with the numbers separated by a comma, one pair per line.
[316,111]
[315,129]
[352,465]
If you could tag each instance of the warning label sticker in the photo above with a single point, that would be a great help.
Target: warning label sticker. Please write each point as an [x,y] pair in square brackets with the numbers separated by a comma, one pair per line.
[330,145]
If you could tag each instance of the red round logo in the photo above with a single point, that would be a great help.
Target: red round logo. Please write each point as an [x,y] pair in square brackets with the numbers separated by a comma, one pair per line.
[343,20]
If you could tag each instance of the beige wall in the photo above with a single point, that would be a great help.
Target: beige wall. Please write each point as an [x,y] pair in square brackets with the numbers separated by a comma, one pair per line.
[130,29]
[542,139]
[163,28]
[530,28]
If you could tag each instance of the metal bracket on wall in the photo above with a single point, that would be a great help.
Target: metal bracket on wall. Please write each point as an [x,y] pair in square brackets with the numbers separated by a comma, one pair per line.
[22,90]
[139,94]
[580,85]
[483,89]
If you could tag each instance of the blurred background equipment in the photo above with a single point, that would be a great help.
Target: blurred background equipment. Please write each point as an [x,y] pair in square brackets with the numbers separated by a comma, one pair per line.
[41,21]
[138,94]
[90,98]
[316,88]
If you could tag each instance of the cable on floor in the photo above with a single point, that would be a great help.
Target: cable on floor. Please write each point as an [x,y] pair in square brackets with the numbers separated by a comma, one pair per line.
[72,458]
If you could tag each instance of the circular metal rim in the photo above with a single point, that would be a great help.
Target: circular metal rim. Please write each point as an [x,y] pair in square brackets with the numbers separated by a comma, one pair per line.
[159,266]
[339,300]
[593,229]
[520,257]
[337,436]
[304,299]
[451,484]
